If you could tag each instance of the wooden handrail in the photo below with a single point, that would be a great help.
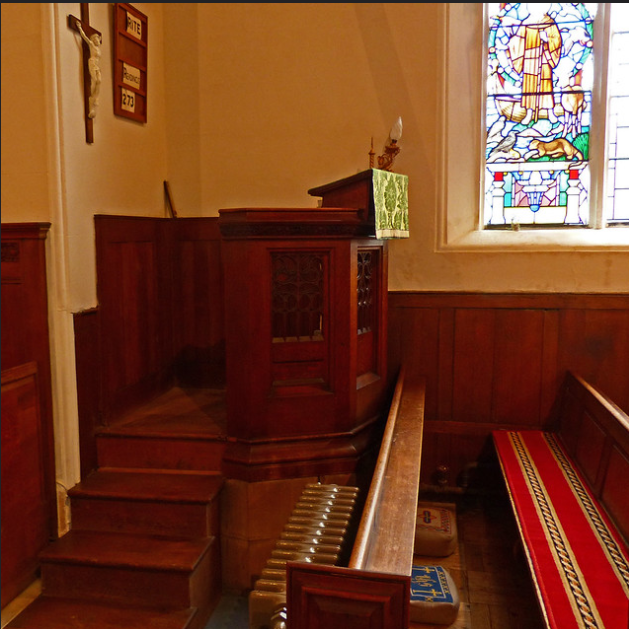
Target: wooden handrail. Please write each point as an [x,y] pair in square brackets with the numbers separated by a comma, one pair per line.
[375,588]
[612,408]
[384,541]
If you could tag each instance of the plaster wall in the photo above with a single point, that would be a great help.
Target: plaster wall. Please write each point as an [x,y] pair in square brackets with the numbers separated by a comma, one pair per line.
[251,104]
[25,169]
[284,97]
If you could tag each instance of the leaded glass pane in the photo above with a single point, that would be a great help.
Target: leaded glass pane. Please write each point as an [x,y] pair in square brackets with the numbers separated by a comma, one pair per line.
[617,198]
[538,114]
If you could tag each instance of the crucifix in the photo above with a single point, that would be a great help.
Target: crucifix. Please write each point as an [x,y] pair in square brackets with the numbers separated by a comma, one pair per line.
[92,42]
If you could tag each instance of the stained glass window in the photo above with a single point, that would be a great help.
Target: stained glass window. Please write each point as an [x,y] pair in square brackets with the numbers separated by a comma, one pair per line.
[541,73]
[617,189]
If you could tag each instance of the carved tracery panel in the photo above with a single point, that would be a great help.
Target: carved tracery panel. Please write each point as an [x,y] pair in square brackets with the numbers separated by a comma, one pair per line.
[365,291]
[297,296]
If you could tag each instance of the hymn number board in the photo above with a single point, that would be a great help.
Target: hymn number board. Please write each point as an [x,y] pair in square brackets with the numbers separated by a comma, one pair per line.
[130,62]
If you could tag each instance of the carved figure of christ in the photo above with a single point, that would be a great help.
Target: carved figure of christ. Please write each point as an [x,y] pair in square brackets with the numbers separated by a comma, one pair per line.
[92,42]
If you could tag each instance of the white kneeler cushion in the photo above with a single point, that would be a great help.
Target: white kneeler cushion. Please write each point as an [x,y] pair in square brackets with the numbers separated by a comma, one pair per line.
[435,529]
[434,596]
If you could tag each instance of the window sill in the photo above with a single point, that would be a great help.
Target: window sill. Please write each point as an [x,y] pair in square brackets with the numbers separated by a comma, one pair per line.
[551,240]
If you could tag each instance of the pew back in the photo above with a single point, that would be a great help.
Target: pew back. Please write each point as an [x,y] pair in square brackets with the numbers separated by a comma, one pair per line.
[595,433]
[374,590]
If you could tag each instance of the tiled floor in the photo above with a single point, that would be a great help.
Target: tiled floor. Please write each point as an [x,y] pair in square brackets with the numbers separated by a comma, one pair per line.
[497,582]
[232,613]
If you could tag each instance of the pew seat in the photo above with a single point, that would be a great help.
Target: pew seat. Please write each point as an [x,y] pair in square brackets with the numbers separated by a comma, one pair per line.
[568,487]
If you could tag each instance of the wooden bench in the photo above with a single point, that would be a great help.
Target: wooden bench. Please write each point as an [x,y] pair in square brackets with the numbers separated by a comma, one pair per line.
[374,588]
[569,488]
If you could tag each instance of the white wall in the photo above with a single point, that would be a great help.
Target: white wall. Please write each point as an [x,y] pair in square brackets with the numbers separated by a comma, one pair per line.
[123,171]
[269,100]
[249,104]
[25,174]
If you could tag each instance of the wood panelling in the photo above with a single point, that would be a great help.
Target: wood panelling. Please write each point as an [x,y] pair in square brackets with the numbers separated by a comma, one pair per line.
[614,491]
[25,302]
[29,510]
[25,333]
[594,342]
[134,309]
[198,322]
[517,366]
[24,297]
[493,360]
[590,445]
[25,526]
[474,344]
[159,306]
[159,318]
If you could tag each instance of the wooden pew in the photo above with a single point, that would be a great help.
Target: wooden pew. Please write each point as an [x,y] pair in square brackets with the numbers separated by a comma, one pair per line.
[569,488]
[374,588]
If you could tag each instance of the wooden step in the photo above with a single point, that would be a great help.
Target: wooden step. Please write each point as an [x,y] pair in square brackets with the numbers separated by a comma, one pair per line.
[62,613]
[144,570]
[127,449]
[181,429]
[147,501]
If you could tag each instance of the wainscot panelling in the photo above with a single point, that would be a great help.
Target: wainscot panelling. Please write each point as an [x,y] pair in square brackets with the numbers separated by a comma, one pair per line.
[134,302]
[159,318]
[25,526]
[29,509]
[498,360]
[198,328]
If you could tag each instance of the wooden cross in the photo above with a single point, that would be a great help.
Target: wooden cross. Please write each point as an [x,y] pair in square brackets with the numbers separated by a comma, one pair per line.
[91,69]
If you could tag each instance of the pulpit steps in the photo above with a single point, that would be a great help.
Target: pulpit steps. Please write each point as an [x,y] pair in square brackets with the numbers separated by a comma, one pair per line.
[133,569]
[144,545]
[150,502]
[64,613]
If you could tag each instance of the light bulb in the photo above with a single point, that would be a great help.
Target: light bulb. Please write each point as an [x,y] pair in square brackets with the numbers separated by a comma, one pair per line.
[396,130]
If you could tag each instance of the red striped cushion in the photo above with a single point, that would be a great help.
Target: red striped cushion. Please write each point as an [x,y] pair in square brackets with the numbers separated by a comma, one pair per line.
[579,562]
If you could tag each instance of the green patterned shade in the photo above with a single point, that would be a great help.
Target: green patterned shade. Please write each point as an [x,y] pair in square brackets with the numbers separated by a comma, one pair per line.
[390,197]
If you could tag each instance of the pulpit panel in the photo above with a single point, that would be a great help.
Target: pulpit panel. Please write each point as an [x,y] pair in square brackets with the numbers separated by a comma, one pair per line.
[305,334]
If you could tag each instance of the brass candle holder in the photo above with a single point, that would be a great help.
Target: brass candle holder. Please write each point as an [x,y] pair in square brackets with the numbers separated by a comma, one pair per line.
[391,149]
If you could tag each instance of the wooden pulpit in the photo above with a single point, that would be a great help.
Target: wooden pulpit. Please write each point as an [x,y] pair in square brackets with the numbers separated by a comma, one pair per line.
[305,330]
[354,191]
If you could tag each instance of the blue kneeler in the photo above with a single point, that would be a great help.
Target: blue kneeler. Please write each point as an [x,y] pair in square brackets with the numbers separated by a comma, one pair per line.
[434,596]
